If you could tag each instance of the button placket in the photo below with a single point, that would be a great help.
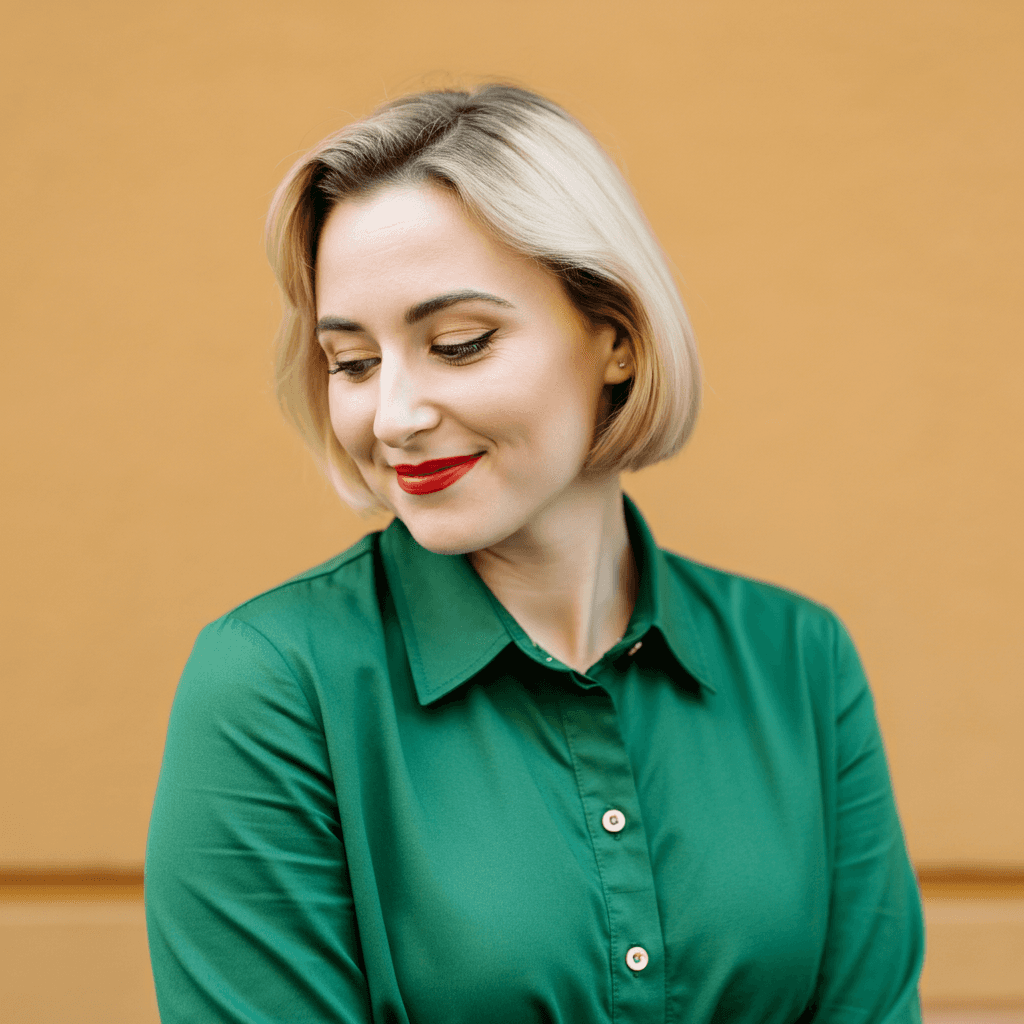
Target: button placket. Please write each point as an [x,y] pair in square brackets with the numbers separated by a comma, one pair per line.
[608,791]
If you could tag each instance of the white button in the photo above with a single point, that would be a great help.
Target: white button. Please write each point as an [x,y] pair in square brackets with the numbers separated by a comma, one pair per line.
[636,647]
[636,958]
[613,820]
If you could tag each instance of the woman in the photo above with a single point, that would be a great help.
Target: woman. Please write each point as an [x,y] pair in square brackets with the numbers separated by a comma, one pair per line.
[507,761]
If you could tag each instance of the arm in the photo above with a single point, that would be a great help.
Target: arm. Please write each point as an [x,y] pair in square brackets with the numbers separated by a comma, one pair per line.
[248,903]
[875,942]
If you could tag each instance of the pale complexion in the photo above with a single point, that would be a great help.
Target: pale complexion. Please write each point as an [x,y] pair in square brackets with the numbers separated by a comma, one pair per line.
[444,343]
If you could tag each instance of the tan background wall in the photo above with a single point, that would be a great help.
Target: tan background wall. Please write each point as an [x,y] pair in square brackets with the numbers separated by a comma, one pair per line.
[839,187]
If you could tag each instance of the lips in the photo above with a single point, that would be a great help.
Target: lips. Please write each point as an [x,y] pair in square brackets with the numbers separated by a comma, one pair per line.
[434,474]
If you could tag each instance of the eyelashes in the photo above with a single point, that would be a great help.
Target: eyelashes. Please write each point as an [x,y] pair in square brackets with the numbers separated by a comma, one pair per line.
[354,369]
[464,351]
[454,355]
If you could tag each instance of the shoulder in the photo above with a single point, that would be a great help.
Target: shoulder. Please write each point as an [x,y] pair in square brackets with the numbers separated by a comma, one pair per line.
[743,602]
[757,633]
[339,597]
[281,639]
[342,580]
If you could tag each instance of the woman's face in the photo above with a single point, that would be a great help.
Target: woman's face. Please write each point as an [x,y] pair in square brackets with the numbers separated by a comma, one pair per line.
[464,384]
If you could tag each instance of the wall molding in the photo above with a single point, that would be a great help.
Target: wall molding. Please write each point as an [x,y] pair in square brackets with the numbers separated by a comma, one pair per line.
[70,883]
[937,881]
[977,882]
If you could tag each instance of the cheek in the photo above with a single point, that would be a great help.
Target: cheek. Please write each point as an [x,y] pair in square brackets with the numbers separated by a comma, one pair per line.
[508,404]
[352,422]
[548,416]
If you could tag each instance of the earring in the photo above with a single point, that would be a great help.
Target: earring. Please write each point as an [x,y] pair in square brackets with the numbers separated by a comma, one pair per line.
[622,366]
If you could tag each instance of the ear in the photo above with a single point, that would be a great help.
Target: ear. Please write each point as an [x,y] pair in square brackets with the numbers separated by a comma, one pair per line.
[619,362]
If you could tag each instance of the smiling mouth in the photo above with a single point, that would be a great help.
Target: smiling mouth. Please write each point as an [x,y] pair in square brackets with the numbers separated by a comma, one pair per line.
[434,474]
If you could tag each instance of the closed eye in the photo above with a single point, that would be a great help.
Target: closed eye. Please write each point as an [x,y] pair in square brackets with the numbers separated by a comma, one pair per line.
[354,369]
[455,355]
[464,351]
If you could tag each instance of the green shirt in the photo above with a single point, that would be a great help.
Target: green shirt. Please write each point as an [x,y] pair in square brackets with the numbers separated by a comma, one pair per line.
[380,801]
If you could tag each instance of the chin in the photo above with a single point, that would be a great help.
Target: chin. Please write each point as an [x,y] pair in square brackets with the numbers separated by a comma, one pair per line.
[443,538]
[445,532]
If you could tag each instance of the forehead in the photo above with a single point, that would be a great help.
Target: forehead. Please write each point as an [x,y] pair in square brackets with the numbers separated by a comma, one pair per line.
[404,244]
[391,214]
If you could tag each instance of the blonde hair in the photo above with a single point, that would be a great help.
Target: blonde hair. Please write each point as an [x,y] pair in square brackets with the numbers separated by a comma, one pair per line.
[538,180]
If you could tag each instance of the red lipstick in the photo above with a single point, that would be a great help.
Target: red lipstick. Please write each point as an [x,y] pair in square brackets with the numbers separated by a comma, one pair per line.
[434,474]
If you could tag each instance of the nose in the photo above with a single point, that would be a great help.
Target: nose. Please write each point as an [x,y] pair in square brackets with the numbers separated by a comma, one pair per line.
[403,407]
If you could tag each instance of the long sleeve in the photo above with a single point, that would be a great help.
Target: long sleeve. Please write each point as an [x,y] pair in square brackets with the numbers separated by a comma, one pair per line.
[381,801]
[875,942]
[249,909]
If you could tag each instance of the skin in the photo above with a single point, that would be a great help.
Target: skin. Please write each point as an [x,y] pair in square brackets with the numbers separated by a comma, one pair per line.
[520,378]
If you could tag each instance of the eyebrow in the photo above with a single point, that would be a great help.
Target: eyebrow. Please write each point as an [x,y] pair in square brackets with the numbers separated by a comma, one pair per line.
[418,312]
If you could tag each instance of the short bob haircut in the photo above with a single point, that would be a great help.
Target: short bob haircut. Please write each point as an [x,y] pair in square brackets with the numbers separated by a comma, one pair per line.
[539,182]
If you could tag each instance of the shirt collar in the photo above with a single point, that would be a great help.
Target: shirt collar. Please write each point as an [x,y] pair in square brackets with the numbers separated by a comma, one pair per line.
[664,601]
[453,626]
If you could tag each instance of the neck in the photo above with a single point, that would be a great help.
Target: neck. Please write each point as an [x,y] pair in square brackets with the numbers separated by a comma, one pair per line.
[569,578]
